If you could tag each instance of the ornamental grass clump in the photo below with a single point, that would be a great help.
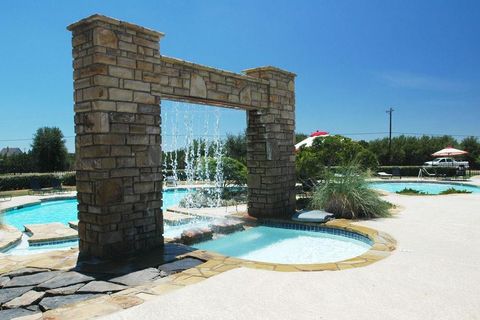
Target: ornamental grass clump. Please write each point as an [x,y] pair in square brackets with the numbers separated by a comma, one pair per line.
[347,195]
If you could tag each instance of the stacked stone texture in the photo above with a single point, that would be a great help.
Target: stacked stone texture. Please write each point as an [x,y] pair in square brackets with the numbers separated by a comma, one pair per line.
[117,125]
[119,77]
[270,148]
[182,80]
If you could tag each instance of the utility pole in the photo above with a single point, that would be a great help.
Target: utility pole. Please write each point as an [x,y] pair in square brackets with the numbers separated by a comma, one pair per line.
[390,111]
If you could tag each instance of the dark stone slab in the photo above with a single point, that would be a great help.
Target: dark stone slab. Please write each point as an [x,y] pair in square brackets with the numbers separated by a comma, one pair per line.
[101,287]
[65,290]
[8,314]
[3,281]
[138,277]
[49,303]
[65,279]
[34,307]
[153,258]
[172,250]
[8,294]
[179,265]
[23,272]
[32,279]
[26,299]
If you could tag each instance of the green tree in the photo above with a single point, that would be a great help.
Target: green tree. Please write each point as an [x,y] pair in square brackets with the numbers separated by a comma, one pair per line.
[472,145]
[338,150]
[48,150]
[18,163]
[309,168]
[236,147]
[300,136]
[234,172]
[409,150]
[311,162]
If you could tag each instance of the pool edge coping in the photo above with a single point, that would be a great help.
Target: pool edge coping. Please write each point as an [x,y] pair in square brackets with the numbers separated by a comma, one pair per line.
[212,266]
[8,242]
[383,245]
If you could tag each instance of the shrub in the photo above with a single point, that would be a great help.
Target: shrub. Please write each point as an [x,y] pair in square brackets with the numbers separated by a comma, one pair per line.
[328,152]
[69,179]
[308,168]
[410,191]
[233,171]
[453,191]
[347,194]
[45,180]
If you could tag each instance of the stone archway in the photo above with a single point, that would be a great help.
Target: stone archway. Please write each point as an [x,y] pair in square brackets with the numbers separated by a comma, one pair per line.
[119,79]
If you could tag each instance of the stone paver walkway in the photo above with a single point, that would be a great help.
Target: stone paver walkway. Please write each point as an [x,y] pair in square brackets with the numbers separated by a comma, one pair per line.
[29,288]
[8,236]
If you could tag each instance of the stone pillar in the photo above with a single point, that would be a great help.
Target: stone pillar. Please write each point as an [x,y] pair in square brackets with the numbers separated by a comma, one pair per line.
[117,125]
[271,148]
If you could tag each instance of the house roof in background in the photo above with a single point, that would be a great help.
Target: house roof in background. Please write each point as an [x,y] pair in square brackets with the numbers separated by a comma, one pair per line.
[10,151]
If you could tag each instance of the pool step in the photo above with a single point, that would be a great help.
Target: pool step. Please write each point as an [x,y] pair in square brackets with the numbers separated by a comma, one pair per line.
[50,232]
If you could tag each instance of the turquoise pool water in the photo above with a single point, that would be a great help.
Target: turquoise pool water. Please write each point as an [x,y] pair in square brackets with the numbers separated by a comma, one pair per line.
[427,187]
[66,210]
[280,245]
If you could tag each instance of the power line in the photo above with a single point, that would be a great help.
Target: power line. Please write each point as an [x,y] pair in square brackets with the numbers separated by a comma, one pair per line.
[339,133]
[360,133]
[437,134]
[30,139]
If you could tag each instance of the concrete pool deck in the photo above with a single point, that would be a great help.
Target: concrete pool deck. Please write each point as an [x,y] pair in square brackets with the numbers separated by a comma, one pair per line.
[30,200]
[433,274]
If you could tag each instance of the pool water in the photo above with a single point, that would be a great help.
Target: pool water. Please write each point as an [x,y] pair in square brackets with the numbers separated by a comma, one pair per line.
[280,245]
[426,187]
[66,210]
[51,211]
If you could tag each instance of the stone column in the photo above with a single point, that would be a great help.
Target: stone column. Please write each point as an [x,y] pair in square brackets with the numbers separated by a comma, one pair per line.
[271,148]
[117,125]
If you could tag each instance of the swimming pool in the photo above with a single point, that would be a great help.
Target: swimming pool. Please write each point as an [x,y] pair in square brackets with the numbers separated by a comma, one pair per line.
[66,210]
[290,246]
[426,187]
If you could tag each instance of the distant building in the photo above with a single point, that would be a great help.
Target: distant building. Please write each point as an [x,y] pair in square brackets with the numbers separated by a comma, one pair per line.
[10,152]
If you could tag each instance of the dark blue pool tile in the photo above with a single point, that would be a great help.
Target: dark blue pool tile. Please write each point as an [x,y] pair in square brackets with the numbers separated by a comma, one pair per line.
[313,228]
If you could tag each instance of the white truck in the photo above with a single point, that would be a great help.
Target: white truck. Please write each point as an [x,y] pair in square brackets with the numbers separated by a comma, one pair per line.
[446,163]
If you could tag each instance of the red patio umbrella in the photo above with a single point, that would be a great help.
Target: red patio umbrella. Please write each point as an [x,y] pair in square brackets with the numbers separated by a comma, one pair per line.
[309,141]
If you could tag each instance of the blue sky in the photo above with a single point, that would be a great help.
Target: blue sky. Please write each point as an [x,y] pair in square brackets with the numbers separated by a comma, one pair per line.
[354,59]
